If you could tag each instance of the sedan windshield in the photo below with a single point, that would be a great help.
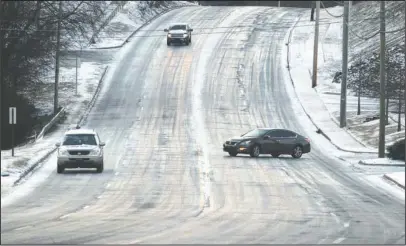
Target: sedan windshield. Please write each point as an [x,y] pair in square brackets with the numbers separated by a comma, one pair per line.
[178,27]
[255,133]
[79,139]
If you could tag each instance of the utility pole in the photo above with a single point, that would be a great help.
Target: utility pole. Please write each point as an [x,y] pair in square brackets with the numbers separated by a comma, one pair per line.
[1,66]
[76,74]
[405,90]
[58,39]
[382,120]
[343,100]
[316,45]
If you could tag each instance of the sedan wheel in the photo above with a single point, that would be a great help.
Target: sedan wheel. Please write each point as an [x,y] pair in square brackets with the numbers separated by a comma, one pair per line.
[255,151]
[232,153]
[297,152]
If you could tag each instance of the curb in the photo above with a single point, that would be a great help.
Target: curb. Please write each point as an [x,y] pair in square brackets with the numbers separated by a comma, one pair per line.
[393,181]
[361,162]
[142,26]
[319,130]
[39,161]
[33,166]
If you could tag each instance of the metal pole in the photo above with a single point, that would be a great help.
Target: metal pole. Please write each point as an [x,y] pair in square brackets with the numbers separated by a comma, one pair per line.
[76,74]
[405,89]
[316,45]
[382,120]
[12,139]
[58,38]
[1,66]
[343,101]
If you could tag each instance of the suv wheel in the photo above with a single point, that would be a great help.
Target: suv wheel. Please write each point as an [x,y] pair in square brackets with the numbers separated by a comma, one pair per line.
[100,168]
[59,169]
[255,151]
[168,43]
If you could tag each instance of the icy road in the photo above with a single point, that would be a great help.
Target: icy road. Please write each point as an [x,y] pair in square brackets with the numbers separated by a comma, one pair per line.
[164,114]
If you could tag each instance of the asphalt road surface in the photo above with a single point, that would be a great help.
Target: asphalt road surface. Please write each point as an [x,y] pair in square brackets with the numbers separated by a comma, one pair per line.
[165,114]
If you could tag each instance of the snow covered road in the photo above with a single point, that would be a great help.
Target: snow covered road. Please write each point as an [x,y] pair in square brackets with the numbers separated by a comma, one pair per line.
[164,113]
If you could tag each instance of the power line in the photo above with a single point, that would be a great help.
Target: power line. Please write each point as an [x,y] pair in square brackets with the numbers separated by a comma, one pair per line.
[335,16]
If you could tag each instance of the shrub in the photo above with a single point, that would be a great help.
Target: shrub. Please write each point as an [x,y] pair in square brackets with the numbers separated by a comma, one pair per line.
[397,150]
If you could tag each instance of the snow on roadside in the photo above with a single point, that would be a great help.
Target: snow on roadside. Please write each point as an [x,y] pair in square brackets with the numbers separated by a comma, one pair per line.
[133,15]
[322,103]
[382,162]
[397,177]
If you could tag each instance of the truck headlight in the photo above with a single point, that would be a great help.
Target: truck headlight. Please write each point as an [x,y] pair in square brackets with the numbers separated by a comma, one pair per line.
[169,35]
[185,35]
[63,152]
[95,152]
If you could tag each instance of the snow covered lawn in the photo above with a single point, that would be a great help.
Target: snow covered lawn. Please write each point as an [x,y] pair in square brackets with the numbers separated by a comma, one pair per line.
[322,103]
[133,15]
[397,177]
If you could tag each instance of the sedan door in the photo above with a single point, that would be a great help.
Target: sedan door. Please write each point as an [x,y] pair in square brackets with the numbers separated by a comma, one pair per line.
[287,141]
[272,144]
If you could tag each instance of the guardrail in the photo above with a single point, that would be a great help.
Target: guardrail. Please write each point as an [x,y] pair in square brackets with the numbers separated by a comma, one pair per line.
[120,5]
[48,126]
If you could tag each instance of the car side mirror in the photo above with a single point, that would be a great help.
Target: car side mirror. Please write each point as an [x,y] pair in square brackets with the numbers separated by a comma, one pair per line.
[191,30]
[267,137]
[102,144]
[57,145]
[166,30]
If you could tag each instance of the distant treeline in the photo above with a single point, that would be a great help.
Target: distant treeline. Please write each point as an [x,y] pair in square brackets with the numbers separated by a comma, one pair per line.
[297,4]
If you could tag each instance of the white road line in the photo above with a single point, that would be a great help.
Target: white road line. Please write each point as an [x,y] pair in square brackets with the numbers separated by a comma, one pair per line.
[347,224]
[22,228]
[64,216]
[99,197]
[85,207]
[335,217]
[339,240]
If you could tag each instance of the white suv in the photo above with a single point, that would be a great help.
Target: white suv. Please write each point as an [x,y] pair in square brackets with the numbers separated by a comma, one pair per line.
[80,148]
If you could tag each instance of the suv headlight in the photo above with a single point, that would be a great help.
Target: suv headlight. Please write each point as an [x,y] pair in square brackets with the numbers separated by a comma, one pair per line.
[63,152]
[185,35]
[95,152]
[245,142]
[169,35]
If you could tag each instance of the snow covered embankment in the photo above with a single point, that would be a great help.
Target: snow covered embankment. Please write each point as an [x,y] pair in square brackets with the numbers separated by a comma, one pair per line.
[359,136]
[131,18]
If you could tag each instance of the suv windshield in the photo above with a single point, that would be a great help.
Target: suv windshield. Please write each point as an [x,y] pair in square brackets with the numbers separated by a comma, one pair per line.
[178,27]
[79,139]
[255,133]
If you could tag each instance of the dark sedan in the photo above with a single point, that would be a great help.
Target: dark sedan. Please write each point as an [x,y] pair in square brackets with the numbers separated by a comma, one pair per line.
[268,141]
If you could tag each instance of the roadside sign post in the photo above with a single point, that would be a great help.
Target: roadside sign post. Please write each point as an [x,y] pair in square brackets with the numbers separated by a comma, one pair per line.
[12,121]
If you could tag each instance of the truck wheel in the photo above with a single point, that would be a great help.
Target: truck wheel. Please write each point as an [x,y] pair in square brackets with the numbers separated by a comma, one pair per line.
[100,168]
[60,169]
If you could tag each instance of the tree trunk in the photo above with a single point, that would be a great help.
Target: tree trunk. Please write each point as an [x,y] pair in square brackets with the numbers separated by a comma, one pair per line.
[400,113]
[359,97]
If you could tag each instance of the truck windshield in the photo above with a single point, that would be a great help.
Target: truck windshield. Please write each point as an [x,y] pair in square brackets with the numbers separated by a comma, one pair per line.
[178,27]
[79,139]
